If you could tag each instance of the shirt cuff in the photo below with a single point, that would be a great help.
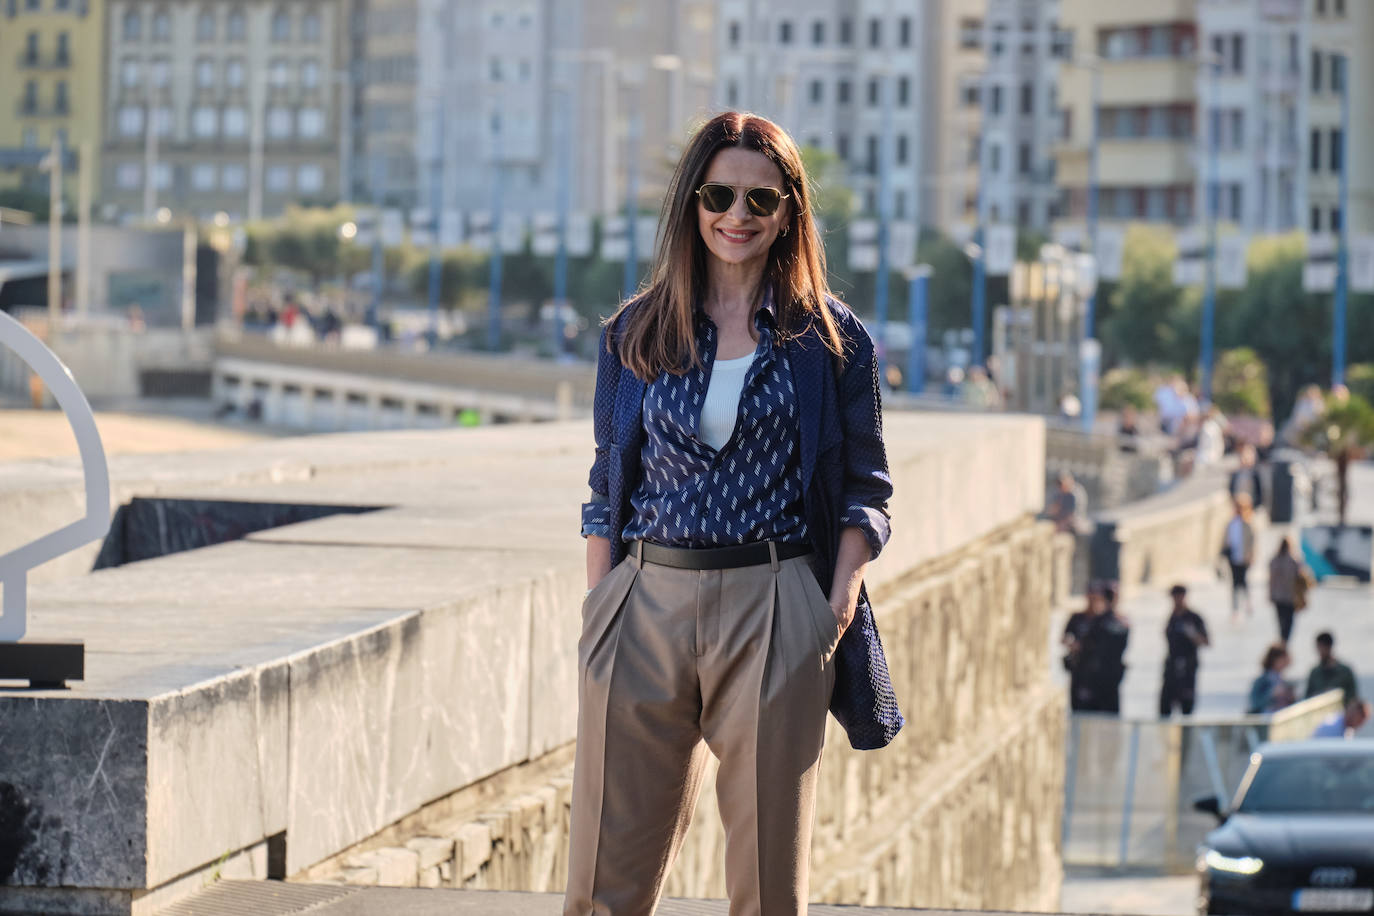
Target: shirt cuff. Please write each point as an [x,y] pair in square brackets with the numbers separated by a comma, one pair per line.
[872,522]
[596,517]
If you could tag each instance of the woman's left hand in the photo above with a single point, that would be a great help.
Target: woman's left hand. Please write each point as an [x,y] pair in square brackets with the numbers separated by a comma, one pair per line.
[850,565]
[844,609]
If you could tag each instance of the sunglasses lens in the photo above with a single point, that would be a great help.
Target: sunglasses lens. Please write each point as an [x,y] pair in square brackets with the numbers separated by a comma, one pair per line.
[763,201]
[717,197]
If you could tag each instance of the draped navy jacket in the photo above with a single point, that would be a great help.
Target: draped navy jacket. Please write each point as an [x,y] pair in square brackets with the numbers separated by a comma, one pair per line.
[843,464]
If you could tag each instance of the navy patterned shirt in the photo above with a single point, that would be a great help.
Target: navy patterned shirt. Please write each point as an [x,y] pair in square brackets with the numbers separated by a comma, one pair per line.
[691,495]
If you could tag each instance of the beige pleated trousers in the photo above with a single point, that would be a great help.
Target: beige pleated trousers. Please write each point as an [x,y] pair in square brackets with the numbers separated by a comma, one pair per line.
[674,662]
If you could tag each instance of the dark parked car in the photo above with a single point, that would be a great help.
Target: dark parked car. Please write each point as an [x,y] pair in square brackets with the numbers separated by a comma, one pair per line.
[1299,837]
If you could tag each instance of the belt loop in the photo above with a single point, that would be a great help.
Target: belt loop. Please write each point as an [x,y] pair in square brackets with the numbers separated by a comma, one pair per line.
[639,553]
[773,554]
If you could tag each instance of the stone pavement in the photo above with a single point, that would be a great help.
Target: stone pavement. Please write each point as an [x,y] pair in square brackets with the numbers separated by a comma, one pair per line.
[1233,660]
[28,434]
[270,898]
[1093,891]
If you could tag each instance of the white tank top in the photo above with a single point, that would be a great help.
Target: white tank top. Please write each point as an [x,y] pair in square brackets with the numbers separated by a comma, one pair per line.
[722,400]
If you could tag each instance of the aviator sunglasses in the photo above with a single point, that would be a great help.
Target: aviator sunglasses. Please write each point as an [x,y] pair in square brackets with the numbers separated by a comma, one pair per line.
[718,198]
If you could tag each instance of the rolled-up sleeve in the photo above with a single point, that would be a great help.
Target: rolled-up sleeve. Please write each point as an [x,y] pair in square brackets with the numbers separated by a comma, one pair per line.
[596,516]
[867,481]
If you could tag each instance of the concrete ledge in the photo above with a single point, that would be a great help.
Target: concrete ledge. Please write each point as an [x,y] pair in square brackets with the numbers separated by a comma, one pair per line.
[325,679]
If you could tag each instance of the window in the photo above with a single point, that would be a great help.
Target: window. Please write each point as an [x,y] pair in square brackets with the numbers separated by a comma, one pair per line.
[1023,213]
[970,93]
[899,201]
[162,176]
[235,123]
[204,122]
[1321,7]
[1335,223]
[734,34]
[901,149]
[205,26]
[1337,73]
[871,159]
[310,179]
[63,49]
[130,121]
[1061,45]
[1314,221]
[278,179]
[31,49]
[1027,98]
[30,96]
[310,123]
[1316,72]
[30,138]
[998,33]
[278,73]
[875,33]
[785,32]
[817,92]
[278,122]
[161,71]
[1314,151]
[205,73]
[133,26]
[162,26]
[129,72]
[994,158]
[1237,58]
[1236,195]
[842,147]
[1237,119]
[310,27]
[904,32]
[995,100]
[1338,7]
[903,90]
[842,92]
[234,177]
[32,5]
[818,32]
[203,176]
[281,26]
[874,92]
[1023,158]
[846,32]
[310,74]
[525,69]
[731,94]
[129,176]
[237,29]
[162,121]
[494,71]
[60,98]
[1336,149]
[970,34]
[233,73]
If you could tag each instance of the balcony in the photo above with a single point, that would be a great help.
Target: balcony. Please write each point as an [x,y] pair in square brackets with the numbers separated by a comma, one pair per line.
[29,61]
[32,108]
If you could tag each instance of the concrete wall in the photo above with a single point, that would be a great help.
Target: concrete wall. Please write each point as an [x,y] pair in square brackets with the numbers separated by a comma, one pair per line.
[327,680]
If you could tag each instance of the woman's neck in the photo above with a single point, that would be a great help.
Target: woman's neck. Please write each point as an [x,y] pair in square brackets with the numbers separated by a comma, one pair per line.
[732,289]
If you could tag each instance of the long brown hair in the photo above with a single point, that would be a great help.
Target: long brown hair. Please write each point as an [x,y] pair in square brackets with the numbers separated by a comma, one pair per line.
[657,334]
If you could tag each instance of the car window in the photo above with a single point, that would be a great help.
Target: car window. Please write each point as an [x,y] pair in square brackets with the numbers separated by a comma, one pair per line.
[1311,784]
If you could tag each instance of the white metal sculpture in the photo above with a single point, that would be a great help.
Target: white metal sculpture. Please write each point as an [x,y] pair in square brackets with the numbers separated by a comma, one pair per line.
[14,566]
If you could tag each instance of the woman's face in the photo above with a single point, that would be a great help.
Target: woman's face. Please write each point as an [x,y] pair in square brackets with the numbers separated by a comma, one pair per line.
[739,236]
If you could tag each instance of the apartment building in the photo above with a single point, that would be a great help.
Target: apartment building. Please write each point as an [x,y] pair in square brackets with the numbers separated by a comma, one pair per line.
[227,106]
[1333,29]
[1146,56]
[51,54]
[386,40]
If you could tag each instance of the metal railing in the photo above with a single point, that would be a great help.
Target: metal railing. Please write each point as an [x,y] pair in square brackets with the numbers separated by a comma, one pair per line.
[1130,784]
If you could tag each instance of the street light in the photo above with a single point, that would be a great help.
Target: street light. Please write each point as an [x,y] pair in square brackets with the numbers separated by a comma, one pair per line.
[1089,355]
[1338,304]
[1213,62]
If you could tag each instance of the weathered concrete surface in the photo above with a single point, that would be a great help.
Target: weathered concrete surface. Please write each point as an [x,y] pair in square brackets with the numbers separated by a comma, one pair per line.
[329,678]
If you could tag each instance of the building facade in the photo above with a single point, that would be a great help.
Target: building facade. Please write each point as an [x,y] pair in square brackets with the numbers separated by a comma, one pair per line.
[1146,56]
[234,107]
[51,67]
[1335,29]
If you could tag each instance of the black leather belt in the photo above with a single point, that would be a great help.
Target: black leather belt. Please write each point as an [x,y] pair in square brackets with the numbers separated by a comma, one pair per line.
[756,554]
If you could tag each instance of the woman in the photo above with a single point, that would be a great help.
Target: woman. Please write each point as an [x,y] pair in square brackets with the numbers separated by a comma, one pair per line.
[1289,579]
[1270,692]
[1239,550]
[739,492]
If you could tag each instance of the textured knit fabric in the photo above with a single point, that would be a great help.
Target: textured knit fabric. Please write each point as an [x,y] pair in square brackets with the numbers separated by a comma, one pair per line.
[722,405]
[845,478]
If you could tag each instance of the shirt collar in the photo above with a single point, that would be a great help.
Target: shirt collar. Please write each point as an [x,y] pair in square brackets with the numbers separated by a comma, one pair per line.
[767,312]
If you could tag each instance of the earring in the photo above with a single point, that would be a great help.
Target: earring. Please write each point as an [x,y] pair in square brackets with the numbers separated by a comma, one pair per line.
[783,231]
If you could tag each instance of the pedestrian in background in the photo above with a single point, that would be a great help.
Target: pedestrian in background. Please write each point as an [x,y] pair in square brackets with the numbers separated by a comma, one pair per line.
[1270,692]
[1103,656]
[1081,698]
[1185,633]
[1069,510]
[1246,478]
[1289,581]
[1330,673]
[1239,550]
[727,545]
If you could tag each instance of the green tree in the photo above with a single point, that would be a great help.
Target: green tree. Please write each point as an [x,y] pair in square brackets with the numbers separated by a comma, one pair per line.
[1240,383]
[1141,324]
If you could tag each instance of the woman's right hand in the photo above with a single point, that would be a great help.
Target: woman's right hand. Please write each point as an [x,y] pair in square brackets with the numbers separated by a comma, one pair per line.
[598,560]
